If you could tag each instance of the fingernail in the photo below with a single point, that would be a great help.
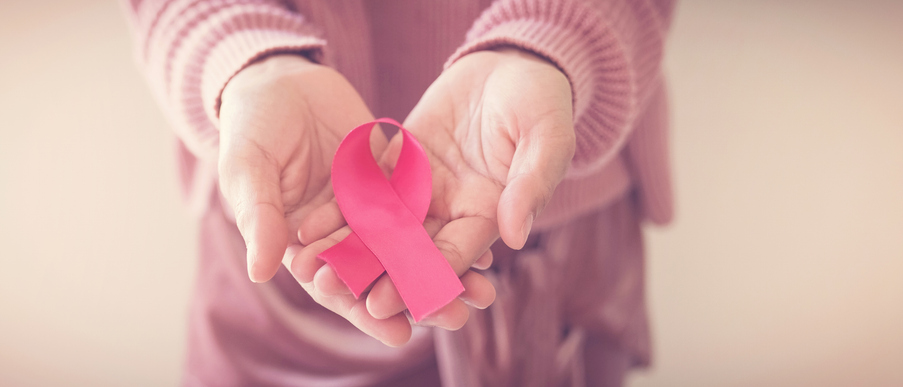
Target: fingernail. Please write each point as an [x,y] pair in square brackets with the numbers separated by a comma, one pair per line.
[527,226]
[470,302]
[427,322]
[432,321]
[254,269]
[251,260]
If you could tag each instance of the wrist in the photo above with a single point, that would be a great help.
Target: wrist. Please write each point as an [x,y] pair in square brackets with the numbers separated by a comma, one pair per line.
[277,62]
[515,53]
[506,55]
[269,69]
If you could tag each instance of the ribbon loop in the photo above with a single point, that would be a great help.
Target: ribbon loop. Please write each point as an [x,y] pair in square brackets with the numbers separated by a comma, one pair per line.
[386,219]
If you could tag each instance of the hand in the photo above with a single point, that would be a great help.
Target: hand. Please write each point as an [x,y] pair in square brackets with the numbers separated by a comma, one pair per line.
[281,121]
[497,127]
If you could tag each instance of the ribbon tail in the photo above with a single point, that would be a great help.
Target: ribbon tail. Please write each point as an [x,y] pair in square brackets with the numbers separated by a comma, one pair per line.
[354,263]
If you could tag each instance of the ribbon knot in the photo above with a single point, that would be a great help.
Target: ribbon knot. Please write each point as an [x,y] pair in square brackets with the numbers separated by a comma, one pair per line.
[386,219]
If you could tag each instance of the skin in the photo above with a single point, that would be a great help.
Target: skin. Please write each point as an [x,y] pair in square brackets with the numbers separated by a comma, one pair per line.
[497,127]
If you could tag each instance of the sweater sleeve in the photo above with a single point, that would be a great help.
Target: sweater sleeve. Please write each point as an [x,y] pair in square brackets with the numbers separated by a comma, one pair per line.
[190,49]
[610,50]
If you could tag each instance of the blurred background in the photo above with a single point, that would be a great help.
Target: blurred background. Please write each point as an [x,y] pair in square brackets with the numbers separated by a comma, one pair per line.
[784,266]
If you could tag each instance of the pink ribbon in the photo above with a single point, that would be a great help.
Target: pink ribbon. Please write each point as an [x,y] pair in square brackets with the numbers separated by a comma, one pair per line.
[386,219]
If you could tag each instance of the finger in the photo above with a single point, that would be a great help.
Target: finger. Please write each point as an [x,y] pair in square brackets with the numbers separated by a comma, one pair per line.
[321,222]
[460,241]
[328,282]
[432,225]
[484,262]
[463,241]
[393,331]
[541,159]
[327,290]
[384,300]
[250,182]
[324,277]
[450,317]
[305,264]
[478,291]
[290,252]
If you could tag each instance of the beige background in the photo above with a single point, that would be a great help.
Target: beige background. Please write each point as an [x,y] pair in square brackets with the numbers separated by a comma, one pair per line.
[784,268]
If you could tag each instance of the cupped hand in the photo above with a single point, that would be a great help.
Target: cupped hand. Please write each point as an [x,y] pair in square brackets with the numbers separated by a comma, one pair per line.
[498,129]
[498,126]
[281,120]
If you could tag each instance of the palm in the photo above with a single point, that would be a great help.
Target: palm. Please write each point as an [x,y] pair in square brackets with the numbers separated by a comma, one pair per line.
[281,122]
[475,121]
[279,129]
[303,172]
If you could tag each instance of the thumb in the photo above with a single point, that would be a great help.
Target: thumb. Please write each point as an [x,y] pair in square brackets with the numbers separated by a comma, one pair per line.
[249,180]
[541,159]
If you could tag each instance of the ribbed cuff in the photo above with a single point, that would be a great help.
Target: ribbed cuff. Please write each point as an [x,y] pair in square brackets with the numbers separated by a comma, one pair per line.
[240,49]
[245,34]
[218,44]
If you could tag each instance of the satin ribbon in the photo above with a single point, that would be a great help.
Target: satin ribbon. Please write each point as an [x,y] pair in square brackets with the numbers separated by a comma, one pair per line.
[386,219]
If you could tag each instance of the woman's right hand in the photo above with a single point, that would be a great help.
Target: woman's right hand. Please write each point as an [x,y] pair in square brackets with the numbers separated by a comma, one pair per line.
[281,120]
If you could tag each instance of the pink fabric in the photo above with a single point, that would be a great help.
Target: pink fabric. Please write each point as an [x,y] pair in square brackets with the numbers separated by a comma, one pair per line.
[390,51]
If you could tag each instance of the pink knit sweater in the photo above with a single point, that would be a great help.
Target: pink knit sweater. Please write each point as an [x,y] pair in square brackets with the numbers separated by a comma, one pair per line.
[391,51]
